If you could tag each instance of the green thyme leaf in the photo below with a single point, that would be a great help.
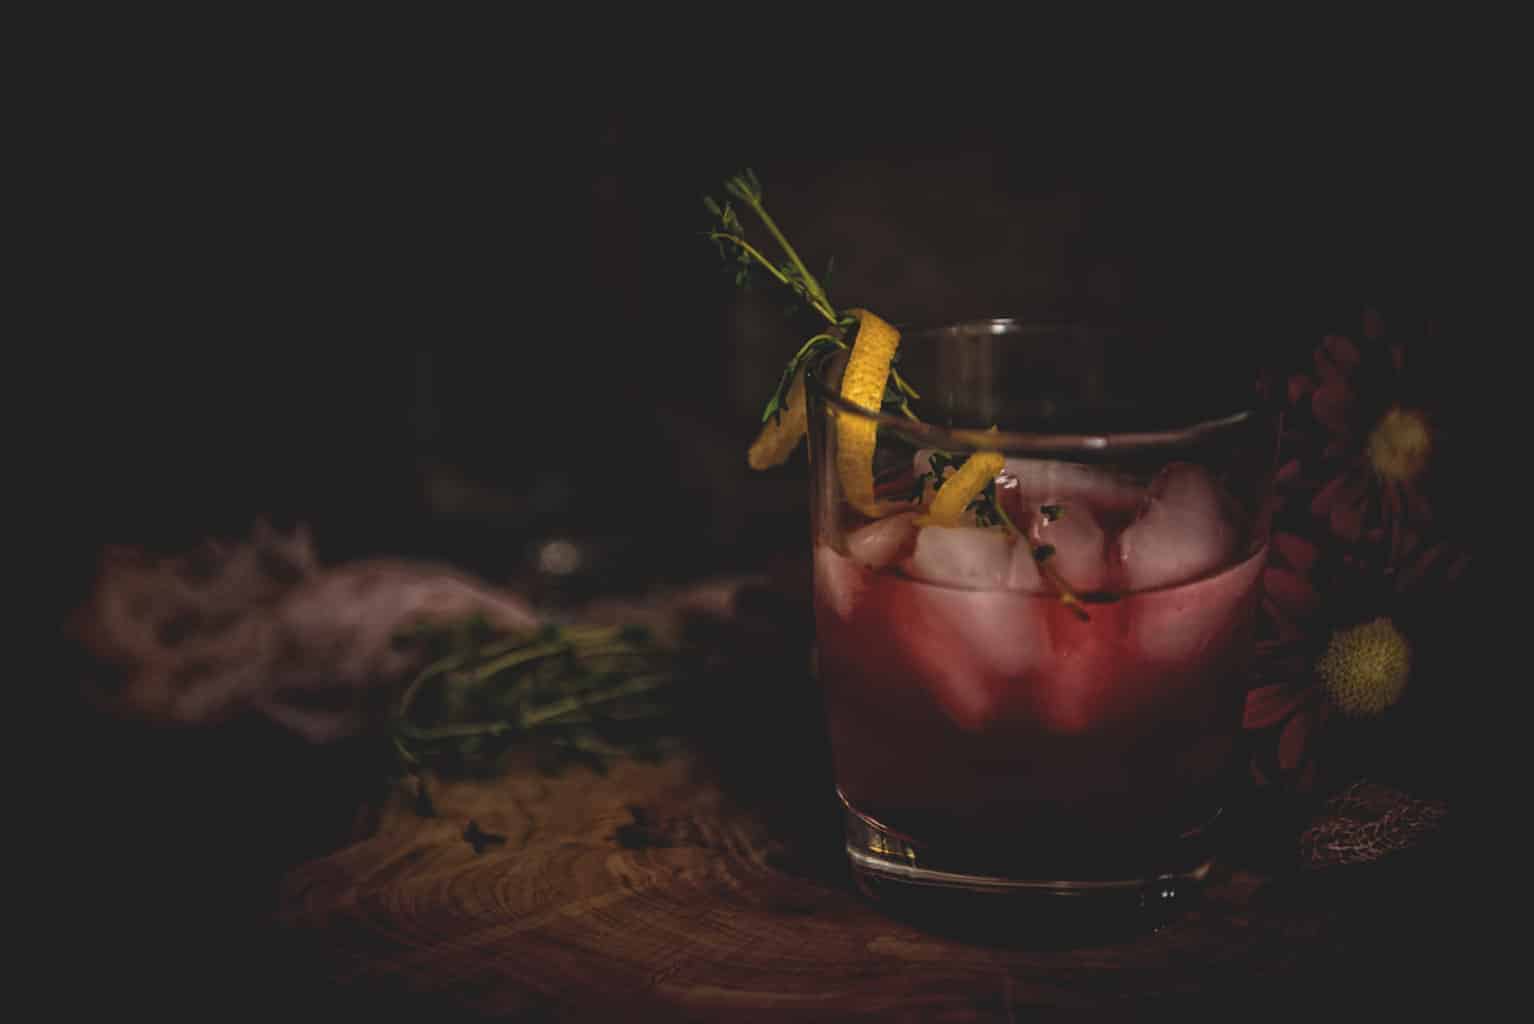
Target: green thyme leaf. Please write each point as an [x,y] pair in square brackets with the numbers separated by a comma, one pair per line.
[596,691]
[809,350]
[790,273]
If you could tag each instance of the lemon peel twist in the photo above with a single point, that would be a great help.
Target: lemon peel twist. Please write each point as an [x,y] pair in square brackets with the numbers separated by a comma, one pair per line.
[780,435]
[863,383]
[977,473]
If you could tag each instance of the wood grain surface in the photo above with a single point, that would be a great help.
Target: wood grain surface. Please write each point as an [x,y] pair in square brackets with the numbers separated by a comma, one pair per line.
[650,891]
[240,871]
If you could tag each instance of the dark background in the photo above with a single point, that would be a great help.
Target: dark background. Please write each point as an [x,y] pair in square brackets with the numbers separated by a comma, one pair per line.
[436,322]
[455,321]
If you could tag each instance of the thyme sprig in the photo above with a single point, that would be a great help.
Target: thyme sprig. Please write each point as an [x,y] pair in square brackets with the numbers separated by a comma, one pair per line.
[729,233]
[570,693]
[989,511]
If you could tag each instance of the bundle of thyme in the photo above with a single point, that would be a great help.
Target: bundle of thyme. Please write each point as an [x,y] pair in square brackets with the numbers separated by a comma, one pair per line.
[569,693]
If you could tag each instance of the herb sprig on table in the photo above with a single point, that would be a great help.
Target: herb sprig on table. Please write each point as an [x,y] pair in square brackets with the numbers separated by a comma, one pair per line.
[572,694]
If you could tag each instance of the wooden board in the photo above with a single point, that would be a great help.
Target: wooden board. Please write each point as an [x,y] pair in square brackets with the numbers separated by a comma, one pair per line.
[708,887]
[653,891]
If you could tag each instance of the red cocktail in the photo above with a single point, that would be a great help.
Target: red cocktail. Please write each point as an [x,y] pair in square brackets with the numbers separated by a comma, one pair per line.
[1044,693]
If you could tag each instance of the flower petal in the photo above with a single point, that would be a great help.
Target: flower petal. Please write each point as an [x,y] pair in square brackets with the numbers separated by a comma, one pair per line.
[1326,497]
[1290,593]
[1343,502]
[1331,403]
[1291,742]
[1338,354]
[1347,520]
[1278,624]
[1269,705]
[1296,550]
[1306,780]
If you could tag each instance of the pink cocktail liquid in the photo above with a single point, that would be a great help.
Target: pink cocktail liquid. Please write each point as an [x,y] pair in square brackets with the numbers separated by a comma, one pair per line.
[993,723]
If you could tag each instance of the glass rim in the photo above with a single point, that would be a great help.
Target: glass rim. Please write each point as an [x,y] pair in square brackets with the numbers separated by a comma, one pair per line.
[931,435]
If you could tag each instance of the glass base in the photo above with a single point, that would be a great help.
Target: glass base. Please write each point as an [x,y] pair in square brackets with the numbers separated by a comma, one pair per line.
[915,881]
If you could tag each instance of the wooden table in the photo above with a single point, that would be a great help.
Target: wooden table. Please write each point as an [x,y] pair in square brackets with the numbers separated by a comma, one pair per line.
[709,886]
[655,891]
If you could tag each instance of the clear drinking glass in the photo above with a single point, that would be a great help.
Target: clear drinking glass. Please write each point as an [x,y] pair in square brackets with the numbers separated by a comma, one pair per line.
[992,736]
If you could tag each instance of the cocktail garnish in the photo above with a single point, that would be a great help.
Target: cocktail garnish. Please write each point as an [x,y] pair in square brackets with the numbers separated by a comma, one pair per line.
[955,494]
[870,381]
[863,383]
[729,234]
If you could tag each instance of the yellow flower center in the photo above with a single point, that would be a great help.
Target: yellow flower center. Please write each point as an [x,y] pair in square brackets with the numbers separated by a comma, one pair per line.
[1365,668]
[1400,444]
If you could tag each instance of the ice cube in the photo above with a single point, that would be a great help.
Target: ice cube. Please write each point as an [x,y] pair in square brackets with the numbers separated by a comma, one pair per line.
[970,650]
[1023,573]
[841,580]
[1190,624]
[840,583]
[1049,481]
[970,557]
[883,541]
[1185,529]
[922,463]
[1080,546]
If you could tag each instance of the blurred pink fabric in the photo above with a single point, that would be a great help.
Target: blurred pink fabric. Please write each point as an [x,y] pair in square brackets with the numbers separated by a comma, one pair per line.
[261,626]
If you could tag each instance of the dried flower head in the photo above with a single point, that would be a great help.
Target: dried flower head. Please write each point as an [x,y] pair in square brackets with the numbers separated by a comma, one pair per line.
[1365,668]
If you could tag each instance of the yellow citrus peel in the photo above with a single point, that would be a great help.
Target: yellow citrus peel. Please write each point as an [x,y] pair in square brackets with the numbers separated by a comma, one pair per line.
[780,434]
[863,382]
[963,487]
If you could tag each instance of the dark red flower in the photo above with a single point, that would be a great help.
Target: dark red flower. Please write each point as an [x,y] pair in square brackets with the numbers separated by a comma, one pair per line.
[1356,571]
[1286,699]
[1285,695]
[1289,599]
[1359,443]
[1340,646]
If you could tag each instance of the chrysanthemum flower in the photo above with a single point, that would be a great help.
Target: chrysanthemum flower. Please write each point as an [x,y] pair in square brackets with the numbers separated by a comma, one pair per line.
[1360,443]
[1318,659]
[1351,569]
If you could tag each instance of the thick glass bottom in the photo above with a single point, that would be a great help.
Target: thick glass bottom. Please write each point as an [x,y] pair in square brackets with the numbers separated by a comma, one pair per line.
[950,889]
